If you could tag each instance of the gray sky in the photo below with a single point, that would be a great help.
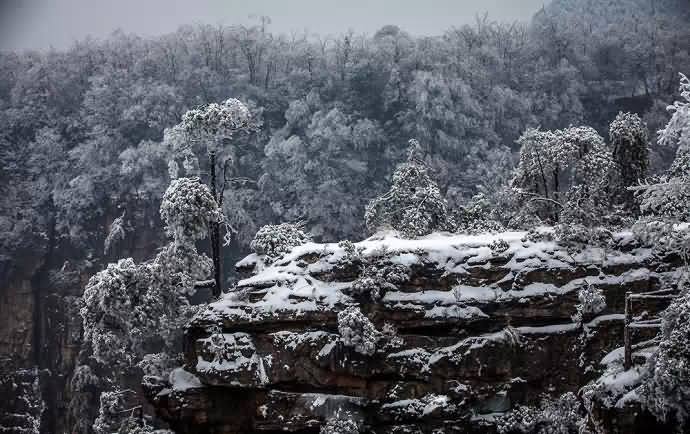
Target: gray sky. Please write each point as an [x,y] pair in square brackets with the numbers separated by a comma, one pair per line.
[39,24]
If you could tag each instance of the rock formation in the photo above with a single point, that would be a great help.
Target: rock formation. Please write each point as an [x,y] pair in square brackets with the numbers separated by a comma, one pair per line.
[475,326]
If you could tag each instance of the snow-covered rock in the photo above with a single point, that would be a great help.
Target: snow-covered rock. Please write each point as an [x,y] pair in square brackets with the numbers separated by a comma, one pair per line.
[458,331]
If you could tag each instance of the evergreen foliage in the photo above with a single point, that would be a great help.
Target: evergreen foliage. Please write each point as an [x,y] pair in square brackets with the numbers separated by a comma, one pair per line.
[628,135]
[413,206]
[273,241]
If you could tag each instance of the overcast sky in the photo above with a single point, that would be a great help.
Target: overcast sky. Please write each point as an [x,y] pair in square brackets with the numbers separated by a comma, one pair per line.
[40,24]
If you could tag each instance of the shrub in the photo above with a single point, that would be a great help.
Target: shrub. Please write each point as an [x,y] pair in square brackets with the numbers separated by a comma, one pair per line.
[187,208]
[475,217]
[592,301]
[357,331]
[378,278]
[274,241]
[413,206]
[563,415]
[666,391]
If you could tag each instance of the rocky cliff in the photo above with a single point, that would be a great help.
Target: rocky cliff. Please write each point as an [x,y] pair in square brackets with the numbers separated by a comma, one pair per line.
[464,328]
[40,328]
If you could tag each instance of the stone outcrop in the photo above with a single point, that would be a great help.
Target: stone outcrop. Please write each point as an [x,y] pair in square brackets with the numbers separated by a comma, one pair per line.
[479,325]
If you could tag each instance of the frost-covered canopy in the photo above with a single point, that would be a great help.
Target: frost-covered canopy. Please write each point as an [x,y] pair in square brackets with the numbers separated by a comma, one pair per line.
[217,121]
[187,209]
[563,170]
[274,241]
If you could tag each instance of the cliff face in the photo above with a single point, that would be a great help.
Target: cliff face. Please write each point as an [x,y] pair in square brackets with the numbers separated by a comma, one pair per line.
[40,326]
[475,326]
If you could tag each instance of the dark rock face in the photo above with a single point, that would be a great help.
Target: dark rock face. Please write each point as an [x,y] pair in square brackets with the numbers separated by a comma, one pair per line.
[477,333]
[40,326]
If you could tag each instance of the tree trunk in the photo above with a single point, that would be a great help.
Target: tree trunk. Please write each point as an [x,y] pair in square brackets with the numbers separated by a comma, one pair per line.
[214,230]
[627,356]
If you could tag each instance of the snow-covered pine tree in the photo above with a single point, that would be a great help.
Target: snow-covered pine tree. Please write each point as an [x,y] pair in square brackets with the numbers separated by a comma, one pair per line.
[666,391]
[273,241]
[563,175]
[628,136]
[130,310]
[664,199]
[664,225]
[414,205]
[204,133]
[357,331]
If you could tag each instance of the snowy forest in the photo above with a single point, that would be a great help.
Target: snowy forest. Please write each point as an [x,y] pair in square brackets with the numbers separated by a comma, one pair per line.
[226,229]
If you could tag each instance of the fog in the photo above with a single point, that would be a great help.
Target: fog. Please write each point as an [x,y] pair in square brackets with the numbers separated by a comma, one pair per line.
[41,24]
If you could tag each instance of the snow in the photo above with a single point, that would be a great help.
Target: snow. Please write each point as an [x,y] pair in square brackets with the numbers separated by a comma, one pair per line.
[464,293]
[459,312]
[249,261]
[292,287]
[620,381]
[604,318]
[424,297]
[549,329]
[629,397]
[182,380]
[614,356]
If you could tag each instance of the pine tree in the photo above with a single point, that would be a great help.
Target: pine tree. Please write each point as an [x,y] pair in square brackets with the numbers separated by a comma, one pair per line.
[628,135]
[211,126]
[414,205]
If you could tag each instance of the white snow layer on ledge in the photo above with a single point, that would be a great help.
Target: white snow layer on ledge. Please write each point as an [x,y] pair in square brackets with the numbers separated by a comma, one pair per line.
[289,285]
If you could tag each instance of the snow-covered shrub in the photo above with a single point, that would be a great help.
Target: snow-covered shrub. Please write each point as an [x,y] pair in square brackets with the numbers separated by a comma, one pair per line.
[136,425]
[187,209]
[377,278]
[577,236]
[352,255]
[110,295]
[535,235]
[339,426]
[110,412]
[628,134]
[581,207]
[499,246]
[475,217]
[666,387]
[414,205]
[664,205]
[563,415]
[592,301]
[357,331]
[129,306]
[157,364]
[273,241]
[676,132]
[391,336]
[521,419]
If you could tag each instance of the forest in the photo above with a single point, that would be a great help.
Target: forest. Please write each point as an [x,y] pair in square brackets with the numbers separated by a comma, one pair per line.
[136,172]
